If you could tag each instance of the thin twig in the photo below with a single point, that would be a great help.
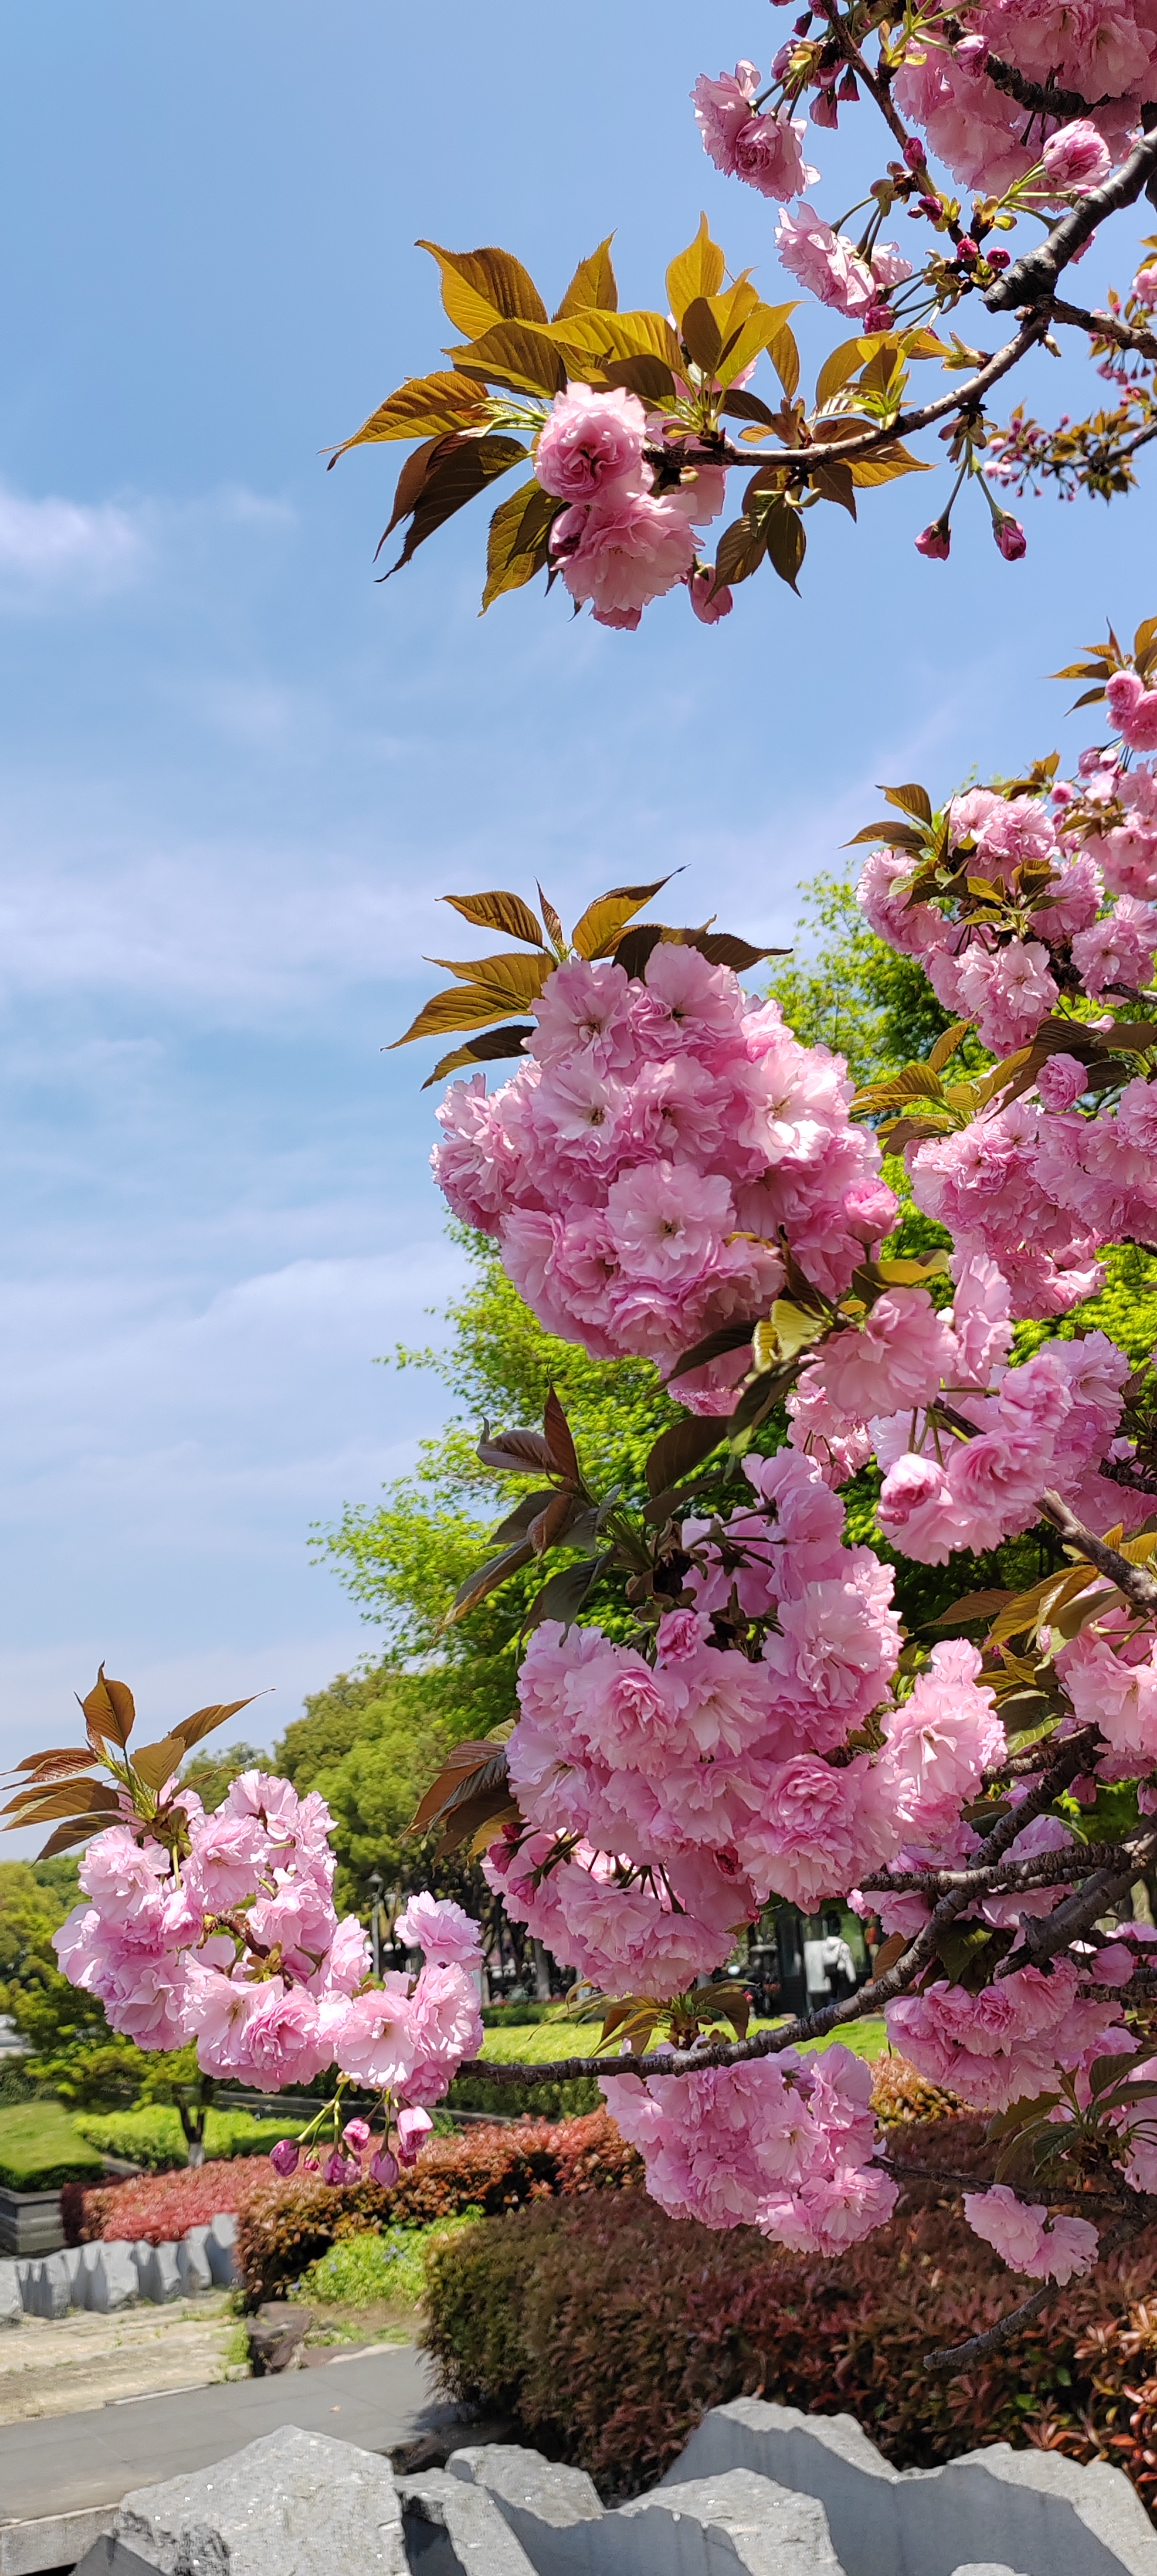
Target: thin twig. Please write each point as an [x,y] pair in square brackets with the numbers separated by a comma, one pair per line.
[958,2356]
[1105,326]
[1137,1585]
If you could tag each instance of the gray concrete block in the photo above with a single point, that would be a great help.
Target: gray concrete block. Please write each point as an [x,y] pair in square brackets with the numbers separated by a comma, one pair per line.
[193,2261]
[109,2557]
[47,2290]
[220,2240]
[715,2526]
[1028,2510]
[111,2278]
[158,2273]
[51,2540]
[455,2529]
[293,2504]
[11,2297]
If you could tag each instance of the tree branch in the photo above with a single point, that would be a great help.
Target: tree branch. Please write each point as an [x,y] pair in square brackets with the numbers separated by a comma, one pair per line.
[959,2356]
[906,423]
[1137,1585]
[1043,97]
[1035,274]
[1105,326]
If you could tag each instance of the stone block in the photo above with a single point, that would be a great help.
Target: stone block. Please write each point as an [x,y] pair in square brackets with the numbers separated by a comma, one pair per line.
[47,2288]
[51,2540]
[553,2512]
[193,2261]
[220,2240]
[292,2504]
[11,2296]
[109,2557]
[158,2273]
[1027,2510]
[713,2526]
[277,2338]
[455,2529]
[111,2278]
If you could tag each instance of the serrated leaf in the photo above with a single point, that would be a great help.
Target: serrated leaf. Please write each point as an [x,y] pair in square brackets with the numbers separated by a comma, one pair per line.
[593,285]
[67,1836]
[788,1330]
[739,404]
[838,369]
[834,483]
[499,911]
[1105,2071]
[484,1580]
[681,1447]
[947,1043]
[514,354]
[192,1730]
[721,948]
[786,541]
[491,1047]
[109,1710]
[650,378]
[739,553]
[913,799]
[714,1346]
[515,1453]
[154,1763]
[461,1006]
[439,480]
[702,338]
[56,1765]
[699,270]
[562,1597]
[480,287]
[884,465]
[424,407]
[556,1432]
[594,337]
[72,1798]
[518,544]
[599,927]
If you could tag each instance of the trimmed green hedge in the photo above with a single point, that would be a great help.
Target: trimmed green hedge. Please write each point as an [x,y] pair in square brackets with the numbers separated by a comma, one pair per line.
[41,2149]
[153,2137]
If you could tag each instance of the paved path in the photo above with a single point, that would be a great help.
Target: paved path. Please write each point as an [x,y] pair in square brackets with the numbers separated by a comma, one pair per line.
[62,2464]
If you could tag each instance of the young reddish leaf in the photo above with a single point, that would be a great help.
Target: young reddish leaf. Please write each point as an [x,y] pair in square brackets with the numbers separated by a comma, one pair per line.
[512,354]
[888,1953]
[554,929]
[834,483]
[681,1447]
[518,540]
[486,970]
[518,1522]
[714,1346]
[499,911]
[515,1453]
[154,1763]
[439,479]
[72,1798]
[192,1729]
[702,337]
[67,1836]
[597,932]
[480,287]
[466,1763]
[651,378]
[109,1710]
[557,1434]
[914,800]
[56,1766]
[563,1596]
[634,948]
[721,949]
[741,405]
[461,1006]
[786,541]
[424,407]
[491,1046]
[485,1580]
[740,552]
[592,286]
[699,270]
[552,1523]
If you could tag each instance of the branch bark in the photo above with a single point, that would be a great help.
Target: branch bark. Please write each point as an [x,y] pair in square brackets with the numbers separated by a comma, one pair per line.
[1034,275]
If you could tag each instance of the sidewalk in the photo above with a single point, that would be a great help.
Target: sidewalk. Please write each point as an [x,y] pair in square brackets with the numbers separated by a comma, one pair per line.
[71,2464]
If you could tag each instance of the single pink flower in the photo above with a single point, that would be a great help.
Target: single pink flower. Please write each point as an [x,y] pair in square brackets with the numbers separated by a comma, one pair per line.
[1011,540]
[356,2134]
[590,442]
[412,2127]
[935,542]
[1076,158]
[284,2156]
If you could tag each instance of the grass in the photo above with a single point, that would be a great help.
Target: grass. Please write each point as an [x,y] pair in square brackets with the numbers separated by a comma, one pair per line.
[545,2040]
[371,2284]
[41,2147]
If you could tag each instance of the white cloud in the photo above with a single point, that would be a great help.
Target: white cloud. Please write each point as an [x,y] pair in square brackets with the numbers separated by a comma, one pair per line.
[54,547]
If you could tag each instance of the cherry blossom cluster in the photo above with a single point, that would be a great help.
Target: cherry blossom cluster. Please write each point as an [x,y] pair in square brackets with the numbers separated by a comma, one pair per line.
[784,2144]
[234,1942]
[639,1170]
[621,542]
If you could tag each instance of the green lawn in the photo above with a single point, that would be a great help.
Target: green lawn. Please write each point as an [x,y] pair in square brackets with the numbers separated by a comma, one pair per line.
[41,2147]
[540,2041]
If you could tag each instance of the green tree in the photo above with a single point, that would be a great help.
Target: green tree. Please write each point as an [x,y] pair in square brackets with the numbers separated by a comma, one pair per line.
[212,1774]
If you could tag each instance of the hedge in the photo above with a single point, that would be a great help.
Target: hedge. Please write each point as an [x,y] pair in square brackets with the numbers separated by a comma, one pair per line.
[605,2328]
[157,2208]
[153,2137]
[284,2227]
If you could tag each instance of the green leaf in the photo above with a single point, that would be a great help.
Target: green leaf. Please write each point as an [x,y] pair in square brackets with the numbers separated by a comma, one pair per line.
[595,934]
[699,270]
[911,800]
[592,286]
[834,483]
[598,338]
[518,543]
[499,911]
[786,541]
[512,353]
[650,378]
[480,287]
[424,407]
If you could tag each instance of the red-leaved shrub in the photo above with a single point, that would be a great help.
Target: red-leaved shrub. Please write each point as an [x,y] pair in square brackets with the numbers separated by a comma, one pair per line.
[286,2225]
[157,2208]
[605,2329]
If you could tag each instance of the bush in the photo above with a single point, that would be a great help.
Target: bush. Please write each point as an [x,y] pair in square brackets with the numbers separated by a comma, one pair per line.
[153,2137]
[159,2207]
[389,2265]
[40,2149]
[571,2101]
[605,2329]
[287,2226]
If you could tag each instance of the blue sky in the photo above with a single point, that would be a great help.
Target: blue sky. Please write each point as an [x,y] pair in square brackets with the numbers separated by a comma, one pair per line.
[236,773]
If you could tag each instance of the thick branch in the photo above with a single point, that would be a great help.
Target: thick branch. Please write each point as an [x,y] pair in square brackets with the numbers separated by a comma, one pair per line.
[967,397]
[1080,1911]
[1105,326]
[1043,97]
[1036,273]
[1134,1581]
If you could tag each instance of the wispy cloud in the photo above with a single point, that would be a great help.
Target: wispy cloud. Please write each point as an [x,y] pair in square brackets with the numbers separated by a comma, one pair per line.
[54,548]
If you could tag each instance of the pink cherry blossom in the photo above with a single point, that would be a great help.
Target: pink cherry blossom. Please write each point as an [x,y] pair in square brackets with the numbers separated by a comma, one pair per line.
[1056,2249]
[591,443]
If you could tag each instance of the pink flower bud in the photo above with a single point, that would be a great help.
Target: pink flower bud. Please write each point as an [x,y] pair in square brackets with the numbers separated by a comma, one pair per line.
[700,585]
[1010,537]
[413,2126]
[284,2156]
[384,2168]
[931,207]
[914,152]
[356,2134]
[339,2168]
[972,51]
[1145,286]
[824,109]
[998,259]
[967,252]
[935,542]
[310,2164]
